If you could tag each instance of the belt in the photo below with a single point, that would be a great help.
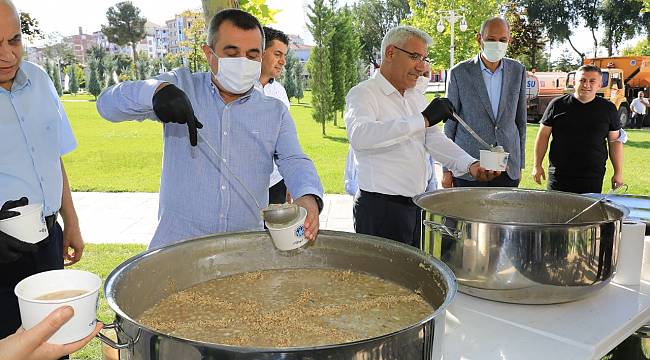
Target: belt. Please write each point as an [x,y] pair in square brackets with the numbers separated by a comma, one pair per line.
[399,199]
[50,221]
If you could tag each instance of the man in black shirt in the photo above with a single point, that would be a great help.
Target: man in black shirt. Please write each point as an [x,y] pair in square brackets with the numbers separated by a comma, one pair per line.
[585,130]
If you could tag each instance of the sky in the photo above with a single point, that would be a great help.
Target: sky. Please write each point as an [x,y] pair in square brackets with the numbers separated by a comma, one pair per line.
[62,16]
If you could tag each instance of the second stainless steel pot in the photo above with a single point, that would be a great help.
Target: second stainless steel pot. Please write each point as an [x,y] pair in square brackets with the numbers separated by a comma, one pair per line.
[512,245]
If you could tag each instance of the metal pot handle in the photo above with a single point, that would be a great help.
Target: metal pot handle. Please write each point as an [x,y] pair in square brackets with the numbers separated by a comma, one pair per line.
[644,332]
[431,225]
[106,340]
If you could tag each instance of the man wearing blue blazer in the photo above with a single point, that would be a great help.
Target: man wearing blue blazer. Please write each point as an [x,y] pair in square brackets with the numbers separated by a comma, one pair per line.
[489,93]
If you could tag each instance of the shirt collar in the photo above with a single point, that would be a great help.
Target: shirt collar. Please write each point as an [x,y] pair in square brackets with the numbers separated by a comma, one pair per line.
[21,80]
[484,68]
[386,87]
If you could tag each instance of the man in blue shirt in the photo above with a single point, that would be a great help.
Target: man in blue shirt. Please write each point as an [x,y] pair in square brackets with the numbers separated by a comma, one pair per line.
[495,108]
[198,194]
[34,134]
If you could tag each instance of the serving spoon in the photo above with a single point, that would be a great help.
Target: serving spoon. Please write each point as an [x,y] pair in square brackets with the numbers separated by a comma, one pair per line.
[274,213]
[471,131]
[598,201]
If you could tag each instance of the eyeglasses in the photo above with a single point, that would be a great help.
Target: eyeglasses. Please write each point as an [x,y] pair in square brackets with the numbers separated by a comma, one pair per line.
[415,57]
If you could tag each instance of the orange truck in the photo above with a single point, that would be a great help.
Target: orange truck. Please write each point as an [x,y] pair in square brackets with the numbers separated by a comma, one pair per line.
[623,78]
[541,88]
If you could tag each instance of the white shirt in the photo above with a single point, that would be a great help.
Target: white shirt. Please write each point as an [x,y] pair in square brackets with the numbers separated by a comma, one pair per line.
[386,131]
[638,105]
[276,90]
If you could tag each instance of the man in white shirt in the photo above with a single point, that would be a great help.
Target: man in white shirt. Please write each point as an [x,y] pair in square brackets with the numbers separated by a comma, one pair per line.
[391,129]
[639,105]
[275,52]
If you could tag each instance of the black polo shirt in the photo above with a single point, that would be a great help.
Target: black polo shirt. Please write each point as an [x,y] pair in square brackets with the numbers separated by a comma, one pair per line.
[579,144]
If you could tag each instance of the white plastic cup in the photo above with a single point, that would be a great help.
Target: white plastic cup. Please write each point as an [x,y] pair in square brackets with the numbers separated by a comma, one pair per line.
[29,226]
[492,160]
[32,311]
[289,236]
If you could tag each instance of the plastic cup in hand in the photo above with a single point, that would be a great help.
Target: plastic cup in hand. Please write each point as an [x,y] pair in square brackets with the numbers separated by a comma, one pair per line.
[289,236]
[42,293]
[29,226]
[492,160]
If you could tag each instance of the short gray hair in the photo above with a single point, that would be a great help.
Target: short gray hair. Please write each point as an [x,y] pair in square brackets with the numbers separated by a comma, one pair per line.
[492,19]
[399,35]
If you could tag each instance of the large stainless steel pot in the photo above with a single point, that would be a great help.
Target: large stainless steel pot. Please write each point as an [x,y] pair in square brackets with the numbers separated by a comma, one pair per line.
[512,245]
[143,280]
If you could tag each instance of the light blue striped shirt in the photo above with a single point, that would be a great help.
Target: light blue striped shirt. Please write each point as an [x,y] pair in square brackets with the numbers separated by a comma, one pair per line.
[197,196]
[34,134]
[493,81]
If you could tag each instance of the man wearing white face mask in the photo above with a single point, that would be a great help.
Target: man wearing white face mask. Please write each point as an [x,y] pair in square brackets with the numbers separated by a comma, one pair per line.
[198,195]
[489,93]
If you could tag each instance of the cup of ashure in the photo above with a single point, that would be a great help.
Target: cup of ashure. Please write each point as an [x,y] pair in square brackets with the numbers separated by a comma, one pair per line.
[42,293]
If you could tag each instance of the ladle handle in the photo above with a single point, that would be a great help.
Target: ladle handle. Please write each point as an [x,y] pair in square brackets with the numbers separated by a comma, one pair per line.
[472,132]
[609,193]
[232,173]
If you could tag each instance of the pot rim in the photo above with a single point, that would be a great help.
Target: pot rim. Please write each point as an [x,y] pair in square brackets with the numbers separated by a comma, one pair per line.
[426,259]
[417,199]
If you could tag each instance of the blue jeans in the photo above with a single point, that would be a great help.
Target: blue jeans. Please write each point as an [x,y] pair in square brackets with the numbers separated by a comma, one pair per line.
[48,257]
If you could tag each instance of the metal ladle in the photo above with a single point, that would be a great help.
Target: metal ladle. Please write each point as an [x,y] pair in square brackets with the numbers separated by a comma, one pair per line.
[274,213]
[609,193]
[462,122]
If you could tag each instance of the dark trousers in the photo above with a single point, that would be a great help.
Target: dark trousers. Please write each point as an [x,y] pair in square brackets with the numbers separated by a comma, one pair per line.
[278,193]
[636,121]
[574,184]
[502,180]
[389,216]
[48,257]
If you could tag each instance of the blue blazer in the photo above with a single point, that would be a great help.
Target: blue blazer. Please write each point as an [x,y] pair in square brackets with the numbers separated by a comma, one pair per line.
[467,92]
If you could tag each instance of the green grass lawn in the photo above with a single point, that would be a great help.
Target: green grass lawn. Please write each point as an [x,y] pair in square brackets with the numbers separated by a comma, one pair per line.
[127,156]
[101,259]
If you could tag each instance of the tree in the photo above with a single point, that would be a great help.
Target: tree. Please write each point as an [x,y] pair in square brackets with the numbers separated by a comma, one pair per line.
[171,61]
[48,69]
[74,82]
[527,40]
[57,80]
[195,38]
[211,7]
[426,17]
[620,19]
[93,84]
[110,64]
[98,53]
[300,83]
[29,26]
[344,55]
[288,76]
[123,64]
[125,26]
[319,63]
[566,62]
[557,18]
[260,10]
[143,69]
[641,48]
[374,19]
[590,11]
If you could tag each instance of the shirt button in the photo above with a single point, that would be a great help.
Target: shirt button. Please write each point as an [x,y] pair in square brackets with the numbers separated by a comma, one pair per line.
[225,133]
[496,128]
[224,160]
[22,118]
[221,216]
[223,187]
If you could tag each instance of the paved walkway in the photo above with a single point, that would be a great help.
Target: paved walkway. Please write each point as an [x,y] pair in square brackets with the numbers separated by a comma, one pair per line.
[132,217]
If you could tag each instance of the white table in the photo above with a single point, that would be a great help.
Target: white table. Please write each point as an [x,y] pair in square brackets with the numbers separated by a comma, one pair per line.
[580,330]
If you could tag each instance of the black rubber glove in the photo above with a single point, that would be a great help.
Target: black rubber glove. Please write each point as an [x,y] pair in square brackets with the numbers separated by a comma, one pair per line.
[171,105]
[439,109]
[12,249]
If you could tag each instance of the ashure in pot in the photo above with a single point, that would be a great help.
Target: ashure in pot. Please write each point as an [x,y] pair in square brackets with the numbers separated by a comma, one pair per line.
[512,245]
[142,281]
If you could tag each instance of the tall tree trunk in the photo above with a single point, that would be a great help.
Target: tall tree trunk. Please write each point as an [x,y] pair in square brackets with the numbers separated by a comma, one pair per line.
[335,116]
[135,54]
[323,126]
[593,35]
[211,7]
[582,56]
